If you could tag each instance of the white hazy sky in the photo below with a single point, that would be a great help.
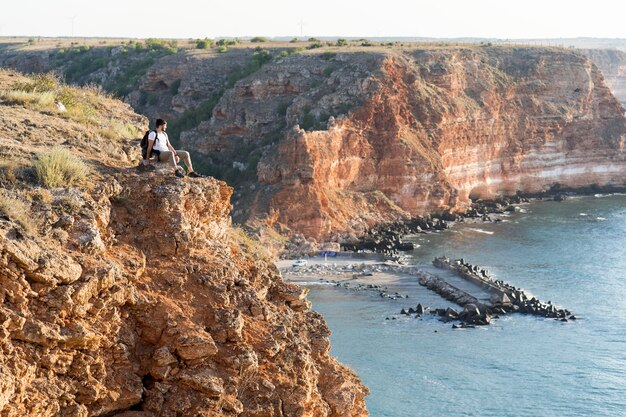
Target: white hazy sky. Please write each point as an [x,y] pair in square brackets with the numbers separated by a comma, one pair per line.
[211,18]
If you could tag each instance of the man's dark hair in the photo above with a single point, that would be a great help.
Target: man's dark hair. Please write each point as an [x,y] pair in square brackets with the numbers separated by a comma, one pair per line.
[160,122]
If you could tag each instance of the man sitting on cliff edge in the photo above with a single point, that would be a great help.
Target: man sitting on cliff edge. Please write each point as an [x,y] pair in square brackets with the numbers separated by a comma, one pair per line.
[159,144]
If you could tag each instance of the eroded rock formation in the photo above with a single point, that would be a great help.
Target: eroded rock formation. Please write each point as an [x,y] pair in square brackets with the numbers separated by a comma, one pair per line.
[134,296]
[428,130]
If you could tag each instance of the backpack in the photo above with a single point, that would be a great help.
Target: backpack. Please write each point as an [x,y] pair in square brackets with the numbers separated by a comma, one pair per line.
[144,144]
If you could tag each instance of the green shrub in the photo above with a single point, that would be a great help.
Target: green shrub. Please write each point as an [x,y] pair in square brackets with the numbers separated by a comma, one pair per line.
[314,40]
[258,39]
[204,43]
[342,42]
[174,87]
[192,118]
[67,97]
[328,71]
[294,40]
[59,167]
[116,131]
[282,108]
[222,49]
[308,120]
[159,44]
[259,58]
[227,42]
[315,45]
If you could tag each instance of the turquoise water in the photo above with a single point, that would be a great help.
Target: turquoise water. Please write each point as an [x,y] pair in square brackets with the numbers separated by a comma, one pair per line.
[572,253]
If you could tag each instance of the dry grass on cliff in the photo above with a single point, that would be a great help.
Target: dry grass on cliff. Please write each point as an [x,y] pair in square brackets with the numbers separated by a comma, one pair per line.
[59,167]
[89,106]
[250,244]
[40,112]
[17,211]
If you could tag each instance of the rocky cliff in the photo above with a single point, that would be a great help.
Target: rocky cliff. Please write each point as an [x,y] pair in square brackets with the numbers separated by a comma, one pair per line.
[130,294]
[332,140]
[612,64]
[392,134]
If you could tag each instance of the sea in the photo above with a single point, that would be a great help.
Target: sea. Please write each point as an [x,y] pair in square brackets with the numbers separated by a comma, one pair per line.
[572,253]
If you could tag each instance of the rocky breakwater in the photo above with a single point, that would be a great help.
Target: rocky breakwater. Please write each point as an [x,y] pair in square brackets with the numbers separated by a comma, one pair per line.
[373,137]
[506,298]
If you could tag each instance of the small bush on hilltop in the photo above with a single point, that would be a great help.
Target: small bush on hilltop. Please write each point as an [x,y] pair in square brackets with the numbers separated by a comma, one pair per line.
[156,44]
[315,45]
[59,167]
[227,42]
[204,43]
[258,39]
[342,42]
[116,131]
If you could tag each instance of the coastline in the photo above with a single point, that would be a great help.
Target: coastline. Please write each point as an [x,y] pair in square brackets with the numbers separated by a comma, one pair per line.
[560,251]
[374,272]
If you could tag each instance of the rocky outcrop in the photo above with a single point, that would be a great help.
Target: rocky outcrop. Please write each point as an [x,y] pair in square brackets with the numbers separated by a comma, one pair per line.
[134,296]
[612,64]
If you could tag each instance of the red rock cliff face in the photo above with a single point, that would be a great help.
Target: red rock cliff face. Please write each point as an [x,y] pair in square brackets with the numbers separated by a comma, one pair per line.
[430,129]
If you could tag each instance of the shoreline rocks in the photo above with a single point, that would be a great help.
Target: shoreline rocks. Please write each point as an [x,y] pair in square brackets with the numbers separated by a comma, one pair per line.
[387,238]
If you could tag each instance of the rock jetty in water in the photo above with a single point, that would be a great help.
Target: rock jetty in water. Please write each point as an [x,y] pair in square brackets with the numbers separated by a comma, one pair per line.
[506,298]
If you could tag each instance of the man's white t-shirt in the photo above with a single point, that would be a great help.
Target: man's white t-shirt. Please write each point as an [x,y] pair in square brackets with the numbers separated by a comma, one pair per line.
[161,143]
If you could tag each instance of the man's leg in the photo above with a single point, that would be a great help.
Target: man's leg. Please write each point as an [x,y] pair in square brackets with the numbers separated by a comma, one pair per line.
[184,156]
[167,156]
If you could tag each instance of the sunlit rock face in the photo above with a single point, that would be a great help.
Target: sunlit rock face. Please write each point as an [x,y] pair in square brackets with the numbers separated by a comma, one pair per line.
[419,130]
